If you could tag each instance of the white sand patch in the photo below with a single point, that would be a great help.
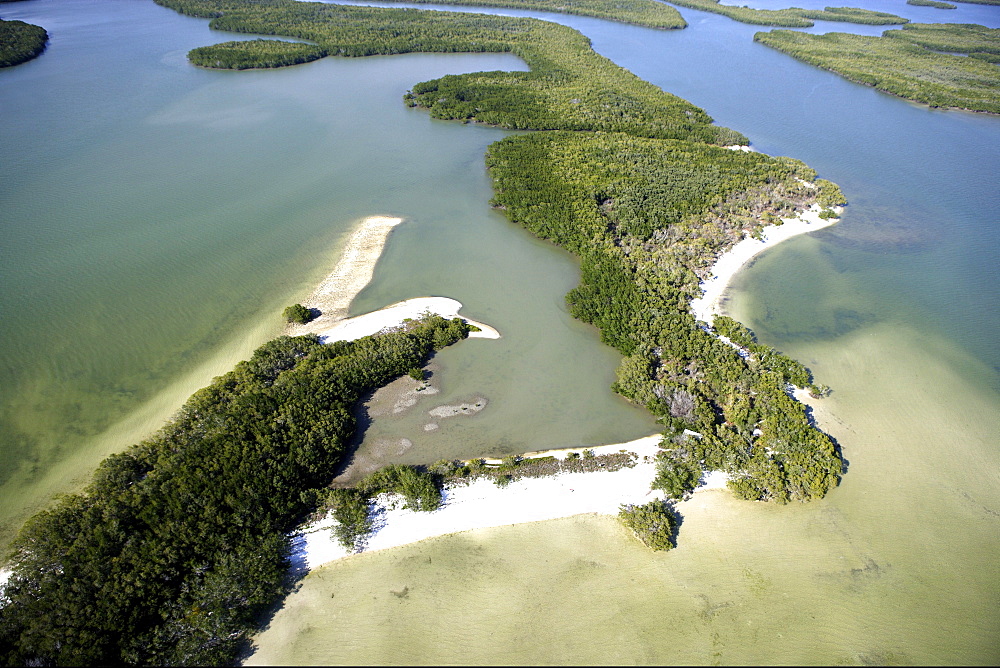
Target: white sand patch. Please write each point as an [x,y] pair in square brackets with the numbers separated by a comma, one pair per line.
[353,271]
[482,504]
[644,447]
[395,314]
[706,307]
[714,480]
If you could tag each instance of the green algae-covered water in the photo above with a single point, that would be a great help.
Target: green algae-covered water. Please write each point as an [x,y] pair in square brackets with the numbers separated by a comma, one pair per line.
[152,234]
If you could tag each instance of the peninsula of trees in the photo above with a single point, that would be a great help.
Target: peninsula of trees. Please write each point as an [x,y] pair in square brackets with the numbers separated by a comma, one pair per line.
[647,13]
[179,543]
[643,192]
[919,62]
[793,17]
[20,42]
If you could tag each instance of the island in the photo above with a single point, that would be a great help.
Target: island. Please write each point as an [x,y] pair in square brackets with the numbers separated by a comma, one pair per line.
[923,62]
[20,42]
[179,543]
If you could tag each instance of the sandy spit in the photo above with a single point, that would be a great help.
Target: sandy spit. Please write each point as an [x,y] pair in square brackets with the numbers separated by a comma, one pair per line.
[706,307]
[481,504]
[351,274]
[353,271]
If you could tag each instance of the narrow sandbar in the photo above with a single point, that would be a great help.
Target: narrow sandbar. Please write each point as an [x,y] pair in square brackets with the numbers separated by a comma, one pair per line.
[482,504]
[353,271]
[706,307]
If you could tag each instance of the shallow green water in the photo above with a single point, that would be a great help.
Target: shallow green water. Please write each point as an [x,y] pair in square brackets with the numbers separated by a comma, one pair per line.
[896,566]
[895,308]
[152,234]
[157,217]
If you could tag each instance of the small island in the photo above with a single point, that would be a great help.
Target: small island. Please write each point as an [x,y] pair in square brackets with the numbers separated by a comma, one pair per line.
[922,62]
[20,42]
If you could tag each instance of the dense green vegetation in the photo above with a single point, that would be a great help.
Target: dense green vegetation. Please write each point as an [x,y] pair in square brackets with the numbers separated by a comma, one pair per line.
[909,62]
[179,543]
[298,314]
[20,42]
[931,3]
[648,13]
[420,490]
[647,203]
[647,218]
[255,53]
[793,17]
[652,523]
[569,87]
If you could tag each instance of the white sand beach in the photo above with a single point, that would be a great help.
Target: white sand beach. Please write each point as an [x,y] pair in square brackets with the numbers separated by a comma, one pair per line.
[394,314]
[482,504]
[706,307]
[353,271]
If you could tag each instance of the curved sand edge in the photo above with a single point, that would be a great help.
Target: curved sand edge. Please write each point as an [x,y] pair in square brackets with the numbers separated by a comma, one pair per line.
[394,314]
[481,504]
[355,270]
[706,307]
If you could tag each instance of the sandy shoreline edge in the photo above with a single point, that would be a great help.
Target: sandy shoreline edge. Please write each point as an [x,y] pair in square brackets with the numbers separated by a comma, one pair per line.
[355,270]
[481,504]
[709,305]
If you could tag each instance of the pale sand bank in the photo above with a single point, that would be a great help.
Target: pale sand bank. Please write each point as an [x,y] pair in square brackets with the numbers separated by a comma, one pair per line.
[353,271]
[706,307]
[394,314]
[481,504]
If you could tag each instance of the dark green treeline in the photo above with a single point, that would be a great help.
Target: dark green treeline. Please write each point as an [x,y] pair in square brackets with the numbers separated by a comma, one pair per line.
[179,544]
[20,42]
[918,63]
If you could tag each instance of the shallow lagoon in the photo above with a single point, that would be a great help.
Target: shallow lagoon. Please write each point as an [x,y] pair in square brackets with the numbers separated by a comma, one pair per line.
[894,308]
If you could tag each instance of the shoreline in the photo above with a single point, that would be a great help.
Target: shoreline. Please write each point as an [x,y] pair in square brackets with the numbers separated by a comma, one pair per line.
[481,504]
[353,272]
[709,305]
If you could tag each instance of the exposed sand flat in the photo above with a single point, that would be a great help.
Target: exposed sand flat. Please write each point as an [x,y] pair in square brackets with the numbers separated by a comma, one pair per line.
[351,274]
[394,314]
[482,504]
[706,307]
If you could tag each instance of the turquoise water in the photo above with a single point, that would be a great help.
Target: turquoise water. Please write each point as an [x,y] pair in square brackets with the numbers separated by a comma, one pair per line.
[153,232]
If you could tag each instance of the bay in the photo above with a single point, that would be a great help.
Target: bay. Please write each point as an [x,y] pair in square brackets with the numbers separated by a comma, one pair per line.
[158,217]
[895,308]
